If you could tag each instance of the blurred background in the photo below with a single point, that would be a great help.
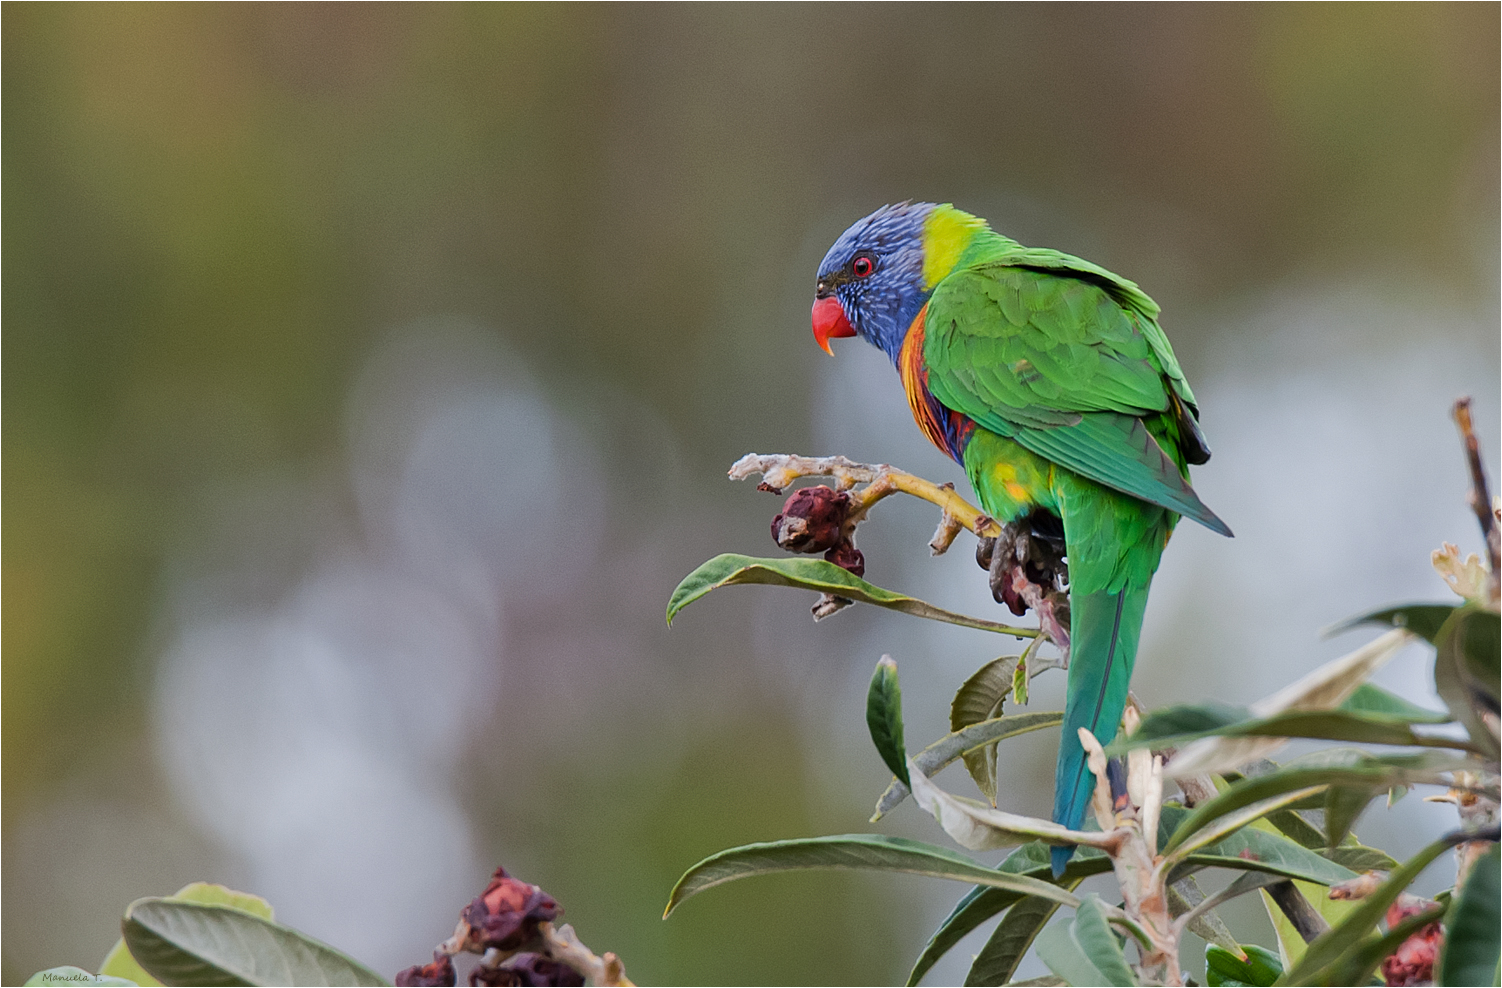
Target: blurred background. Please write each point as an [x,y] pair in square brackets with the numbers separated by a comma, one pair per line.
[370,375]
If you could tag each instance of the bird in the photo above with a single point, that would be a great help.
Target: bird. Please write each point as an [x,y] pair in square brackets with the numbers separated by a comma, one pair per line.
[1049,380]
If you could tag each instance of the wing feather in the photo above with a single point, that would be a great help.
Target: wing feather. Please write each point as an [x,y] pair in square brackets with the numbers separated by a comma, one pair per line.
[1066,367]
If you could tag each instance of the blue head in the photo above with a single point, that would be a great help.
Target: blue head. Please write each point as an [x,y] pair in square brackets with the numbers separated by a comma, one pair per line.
[875,272]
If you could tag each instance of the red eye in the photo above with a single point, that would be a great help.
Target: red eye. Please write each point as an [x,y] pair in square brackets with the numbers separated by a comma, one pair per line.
[862,266]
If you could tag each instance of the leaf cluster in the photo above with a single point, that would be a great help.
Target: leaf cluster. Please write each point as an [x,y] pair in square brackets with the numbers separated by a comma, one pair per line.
[1282,828]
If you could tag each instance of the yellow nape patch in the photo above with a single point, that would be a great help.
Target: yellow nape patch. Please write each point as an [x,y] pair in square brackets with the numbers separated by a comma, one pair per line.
[946,234]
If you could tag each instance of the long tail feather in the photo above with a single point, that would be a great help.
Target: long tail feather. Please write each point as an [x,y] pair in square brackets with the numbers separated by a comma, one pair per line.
[1104,628]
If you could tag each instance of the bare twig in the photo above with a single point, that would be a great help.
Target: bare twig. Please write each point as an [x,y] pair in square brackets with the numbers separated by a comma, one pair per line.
[1481,501]
[779,470]
[1300,913]
[563,946]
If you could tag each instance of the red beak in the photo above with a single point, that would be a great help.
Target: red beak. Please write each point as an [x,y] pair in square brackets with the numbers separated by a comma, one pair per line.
[830,322]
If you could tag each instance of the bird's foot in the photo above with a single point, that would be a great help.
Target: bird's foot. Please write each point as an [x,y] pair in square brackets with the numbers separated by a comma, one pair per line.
[1028,571]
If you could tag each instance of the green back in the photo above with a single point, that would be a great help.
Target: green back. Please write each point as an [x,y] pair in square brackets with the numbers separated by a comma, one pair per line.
[1067,360]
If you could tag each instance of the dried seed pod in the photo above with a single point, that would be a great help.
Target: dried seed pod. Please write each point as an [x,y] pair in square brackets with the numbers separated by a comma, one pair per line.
[506,914]
[440,972]
[846,555]
[1413,962]
[812,520]
[528,969]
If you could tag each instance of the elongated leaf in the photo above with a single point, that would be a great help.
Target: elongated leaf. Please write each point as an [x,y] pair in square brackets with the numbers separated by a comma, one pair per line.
[1084,951]
[944,751]
[190,943]
[1322,689]
[1345,936]
[998,959]
[884,717]
[1182,843]
[974,908]
[868,852]
[1291,944]
[1465,671]
[732,569]
[1247,881]
[1093,934]
[1351,853]
[1334,767]
[983,828]
[1473,945]
[1323,725]
[1343,804]
[981,903]
[1423,620]
[1480,656]
[73,976]
[1370,698]
[978,699]
[1253,849]
[1223,967]
[1186,898]
[119,963]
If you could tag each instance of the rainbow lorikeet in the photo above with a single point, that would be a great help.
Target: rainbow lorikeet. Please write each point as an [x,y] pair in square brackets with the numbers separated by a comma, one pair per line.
[1048,379]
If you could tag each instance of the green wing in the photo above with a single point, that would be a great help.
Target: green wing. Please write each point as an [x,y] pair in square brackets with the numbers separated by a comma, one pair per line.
[1070,365]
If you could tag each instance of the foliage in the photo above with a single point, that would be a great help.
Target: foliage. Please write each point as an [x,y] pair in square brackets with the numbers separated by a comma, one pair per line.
[210,935]
[1237,812]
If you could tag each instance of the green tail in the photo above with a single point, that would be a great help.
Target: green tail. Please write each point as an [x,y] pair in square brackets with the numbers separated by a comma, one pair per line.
[1103,632]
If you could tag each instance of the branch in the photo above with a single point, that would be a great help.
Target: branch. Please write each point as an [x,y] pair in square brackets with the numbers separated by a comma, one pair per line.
[1300,913]
[1480,499]
[779,470]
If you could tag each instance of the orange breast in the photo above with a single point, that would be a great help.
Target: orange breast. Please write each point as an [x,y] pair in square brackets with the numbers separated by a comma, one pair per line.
[927,411]
[945,428]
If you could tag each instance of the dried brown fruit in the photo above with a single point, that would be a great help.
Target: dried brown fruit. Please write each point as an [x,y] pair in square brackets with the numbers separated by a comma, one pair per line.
[527,969]
[506,914]
[440,972]
[846,555]
[812,520]
[1413,962]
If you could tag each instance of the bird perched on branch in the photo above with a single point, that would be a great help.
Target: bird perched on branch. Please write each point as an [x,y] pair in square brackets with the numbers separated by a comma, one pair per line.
[1049,380]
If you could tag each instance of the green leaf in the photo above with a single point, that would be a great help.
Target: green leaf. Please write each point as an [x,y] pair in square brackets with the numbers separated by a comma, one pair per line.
[981,827]
[1343,804]
[1373,699]
[1370,715]
[944,751]
[978,699]
[1008,943]
[1473,944]
[190,943]
[1336,944]
[1085,951]
[1019,684]
[1322,689]
[884,717]
[1093,934]
[732,569]
[981,903]
[1291,945]
[1177,726]
[1251,849]
[1260,967]
[1184,895]
[1334,767]
[119,963]
[1351,853]
[73,976]
[869,852]
[1423,620]
[1466,670]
